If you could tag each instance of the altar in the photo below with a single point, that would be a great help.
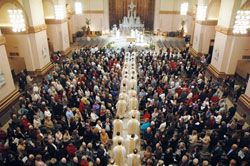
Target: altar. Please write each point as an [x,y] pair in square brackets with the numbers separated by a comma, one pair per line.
[131,21]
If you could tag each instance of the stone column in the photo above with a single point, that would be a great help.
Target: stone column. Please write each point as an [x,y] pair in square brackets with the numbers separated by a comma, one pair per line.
[245,98]
[8,92]
[58,33]
[204,31]
[228,47]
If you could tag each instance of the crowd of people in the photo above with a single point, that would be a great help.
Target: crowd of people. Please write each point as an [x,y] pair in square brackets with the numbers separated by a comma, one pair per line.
[186,119]
[66,119]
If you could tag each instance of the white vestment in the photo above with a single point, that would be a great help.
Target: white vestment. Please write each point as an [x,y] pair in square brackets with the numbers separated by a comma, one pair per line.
[133,104]
[134,113]
[134,160]
[116,139]
[123,96]
[133,127]
[119,155]
[131,143]
[121,108]
[132,84]
[132,93]
[118,126]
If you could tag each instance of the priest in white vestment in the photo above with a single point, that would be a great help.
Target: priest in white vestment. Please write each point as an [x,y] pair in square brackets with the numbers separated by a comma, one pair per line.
[132,93]
[121,107]
[131,142]
[134,159]
[135,113]
[117,138]
[133,126]
[124,88]
[119,154]
[123,96]
[118,125]
[132,84]
[133,103]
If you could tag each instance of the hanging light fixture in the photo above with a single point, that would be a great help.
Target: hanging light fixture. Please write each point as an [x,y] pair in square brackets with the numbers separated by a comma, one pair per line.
[59,12]
[78,7]
[17,20]
[201,13]
[241,22]
[184,8]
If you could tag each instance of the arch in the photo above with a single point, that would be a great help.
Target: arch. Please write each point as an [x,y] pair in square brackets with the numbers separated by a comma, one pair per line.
[246,5]
[213,10]
[49,9]
[5,21]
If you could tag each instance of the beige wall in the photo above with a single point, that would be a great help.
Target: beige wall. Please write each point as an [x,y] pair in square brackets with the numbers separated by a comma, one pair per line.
[172,22]
[242,68]
[29,46]
[99,21]
[9,86]
[202,36]
[240,46]
[93,4]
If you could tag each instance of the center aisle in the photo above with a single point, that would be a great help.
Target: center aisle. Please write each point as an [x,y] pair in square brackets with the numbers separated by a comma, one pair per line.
[126,131]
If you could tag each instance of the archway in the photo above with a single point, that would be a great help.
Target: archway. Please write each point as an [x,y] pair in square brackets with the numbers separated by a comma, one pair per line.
[13,44]
[213,10]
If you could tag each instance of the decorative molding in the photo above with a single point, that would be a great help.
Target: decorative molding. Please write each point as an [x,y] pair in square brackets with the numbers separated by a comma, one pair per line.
[229,31]
[93,11]
[66,51]
[169,12]
[245,100]
[42,71]
[38,28]
[194,53]
[207,22]
[215,72]
[2,40]
[12,97]
[54,21]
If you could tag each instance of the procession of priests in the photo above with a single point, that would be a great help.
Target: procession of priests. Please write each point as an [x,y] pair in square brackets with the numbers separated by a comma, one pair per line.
[126,131]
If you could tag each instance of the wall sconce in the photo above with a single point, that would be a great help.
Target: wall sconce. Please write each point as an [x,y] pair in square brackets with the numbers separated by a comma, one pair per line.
[201,13]
[184,8]
[78,7]
[17,20]
[241,22]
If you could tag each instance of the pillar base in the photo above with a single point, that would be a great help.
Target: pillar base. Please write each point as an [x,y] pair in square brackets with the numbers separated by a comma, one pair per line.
[245,101]
[5,104]
[66,51]
[194,53]
[42,71]
[215,72]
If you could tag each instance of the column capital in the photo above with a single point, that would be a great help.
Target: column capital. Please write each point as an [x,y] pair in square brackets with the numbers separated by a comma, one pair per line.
[38,28]
[207,22]
[229,31]
[54,21]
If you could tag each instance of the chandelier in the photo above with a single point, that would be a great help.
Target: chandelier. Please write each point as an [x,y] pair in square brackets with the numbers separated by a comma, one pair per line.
[201,13]
[241,22]
[17,20]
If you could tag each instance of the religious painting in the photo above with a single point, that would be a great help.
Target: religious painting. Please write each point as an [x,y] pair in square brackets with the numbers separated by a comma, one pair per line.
[2,79]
